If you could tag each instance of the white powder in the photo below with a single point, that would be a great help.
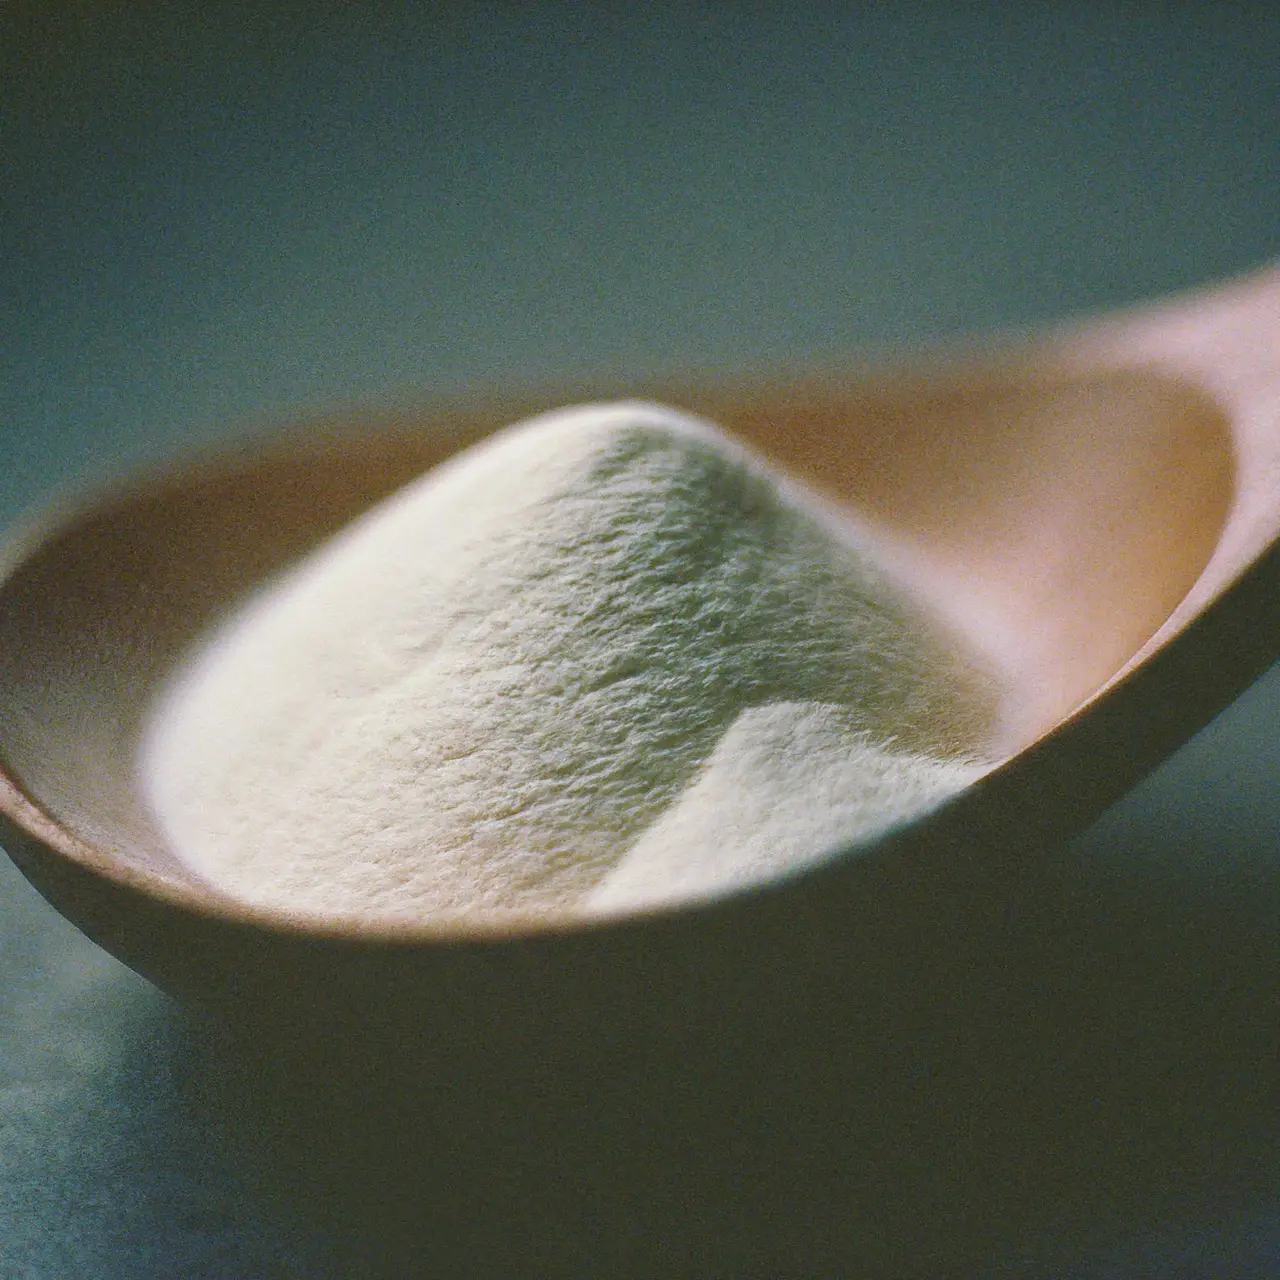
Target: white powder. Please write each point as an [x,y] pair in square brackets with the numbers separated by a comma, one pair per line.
[605,658]
[787,783]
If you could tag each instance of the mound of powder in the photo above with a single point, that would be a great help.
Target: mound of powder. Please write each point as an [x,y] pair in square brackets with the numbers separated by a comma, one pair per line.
[787,783]
[604,658]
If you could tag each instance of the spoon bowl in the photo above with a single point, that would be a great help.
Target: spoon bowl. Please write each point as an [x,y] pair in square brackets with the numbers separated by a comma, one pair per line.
[1092,511]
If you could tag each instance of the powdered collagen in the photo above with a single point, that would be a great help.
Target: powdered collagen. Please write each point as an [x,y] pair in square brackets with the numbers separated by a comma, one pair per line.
[605,659]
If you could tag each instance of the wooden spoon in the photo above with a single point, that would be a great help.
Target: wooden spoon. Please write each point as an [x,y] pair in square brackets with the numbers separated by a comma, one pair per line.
[1095,511]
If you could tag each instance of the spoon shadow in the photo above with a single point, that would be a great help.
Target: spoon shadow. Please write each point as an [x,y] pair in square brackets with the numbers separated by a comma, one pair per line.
[101,1173]
[1030,1070]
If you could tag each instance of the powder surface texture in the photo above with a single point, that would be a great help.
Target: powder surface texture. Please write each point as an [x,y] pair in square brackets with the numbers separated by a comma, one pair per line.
[787,783]
[605,658]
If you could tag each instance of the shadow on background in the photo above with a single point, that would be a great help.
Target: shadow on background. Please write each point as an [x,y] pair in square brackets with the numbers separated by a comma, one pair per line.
[101,1171]
[1059,1064]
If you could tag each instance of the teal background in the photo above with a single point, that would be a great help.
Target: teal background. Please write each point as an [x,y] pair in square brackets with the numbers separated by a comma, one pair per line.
[215,217]
[212,213]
